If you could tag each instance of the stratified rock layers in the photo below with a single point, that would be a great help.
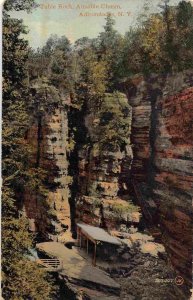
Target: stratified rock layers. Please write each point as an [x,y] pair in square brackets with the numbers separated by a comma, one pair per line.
[49,147]
[57,141]
[174,177]
[162,137]
[103,160]
[147,138]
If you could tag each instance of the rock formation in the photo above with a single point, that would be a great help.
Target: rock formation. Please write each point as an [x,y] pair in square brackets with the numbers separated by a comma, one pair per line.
[104,164]
[145,137]
[162,148]
[48,138]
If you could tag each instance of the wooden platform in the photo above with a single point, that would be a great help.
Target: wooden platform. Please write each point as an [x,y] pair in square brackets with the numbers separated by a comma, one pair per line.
[77,269]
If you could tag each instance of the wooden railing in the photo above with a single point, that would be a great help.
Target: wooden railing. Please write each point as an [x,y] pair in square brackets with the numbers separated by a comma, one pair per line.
[50,263]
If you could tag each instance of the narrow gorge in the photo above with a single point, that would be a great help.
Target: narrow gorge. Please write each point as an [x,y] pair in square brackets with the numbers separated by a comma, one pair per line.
[93,179]
[97,156]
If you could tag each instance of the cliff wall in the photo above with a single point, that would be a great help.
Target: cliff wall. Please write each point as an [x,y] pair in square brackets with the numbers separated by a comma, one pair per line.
[104,163]
[48,137]
[144,138]
[162,136]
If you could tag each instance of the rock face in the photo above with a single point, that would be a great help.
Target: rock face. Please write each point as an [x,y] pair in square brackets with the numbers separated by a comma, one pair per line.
[174,179]
[141,126]
[101,179]
[48,140]
[145,277]
[146,137]
[162,136]
[57,147]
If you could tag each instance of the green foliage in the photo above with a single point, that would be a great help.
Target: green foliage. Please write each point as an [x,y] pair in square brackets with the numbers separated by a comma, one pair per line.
[22,279]
[13,61]
[53,62]
[96,203]
[114,127]
[95,64]
[92,77]
[162,42]
[120,209]
[17,5]
[109,49]
[90,71]
[35,287]
[55,43]
[184,14]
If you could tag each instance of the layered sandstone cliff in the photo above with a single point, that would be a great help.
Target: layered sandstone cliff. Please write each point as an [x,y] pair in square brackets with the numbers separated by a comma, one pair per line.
[144,138]
[163,157]
[104,164]
[173,187]
[47,136]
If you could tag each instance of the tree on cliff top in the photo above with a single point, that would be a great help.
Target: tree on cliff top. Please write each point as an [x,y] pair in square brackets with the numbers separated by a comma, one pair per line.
[110,45]
[162,43]
[22,278]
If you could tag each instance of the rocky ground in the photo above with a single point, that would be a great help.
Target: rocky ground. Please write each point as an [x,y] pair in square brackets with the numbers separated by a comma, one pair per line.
[145,278]
[139,266]
[143,272]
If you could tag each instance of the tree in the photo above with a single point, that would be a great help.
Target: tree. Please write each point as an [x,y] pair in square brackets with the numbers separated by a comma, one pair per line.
[162,43]
[17,5]
[91,77]
[22,278]
[114,127]
[53,61]
[184,35]
[110,46]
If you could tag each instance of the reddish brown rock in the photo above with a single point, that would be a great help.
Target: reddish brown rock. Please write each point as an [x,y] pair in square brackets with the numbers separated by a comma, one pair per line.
[162,137]
[48,141]
[174,176]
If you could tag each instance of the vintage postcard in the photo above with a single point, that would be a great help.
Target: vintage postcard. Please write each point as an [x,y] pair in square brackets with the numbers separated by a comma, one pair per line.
[97,150]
